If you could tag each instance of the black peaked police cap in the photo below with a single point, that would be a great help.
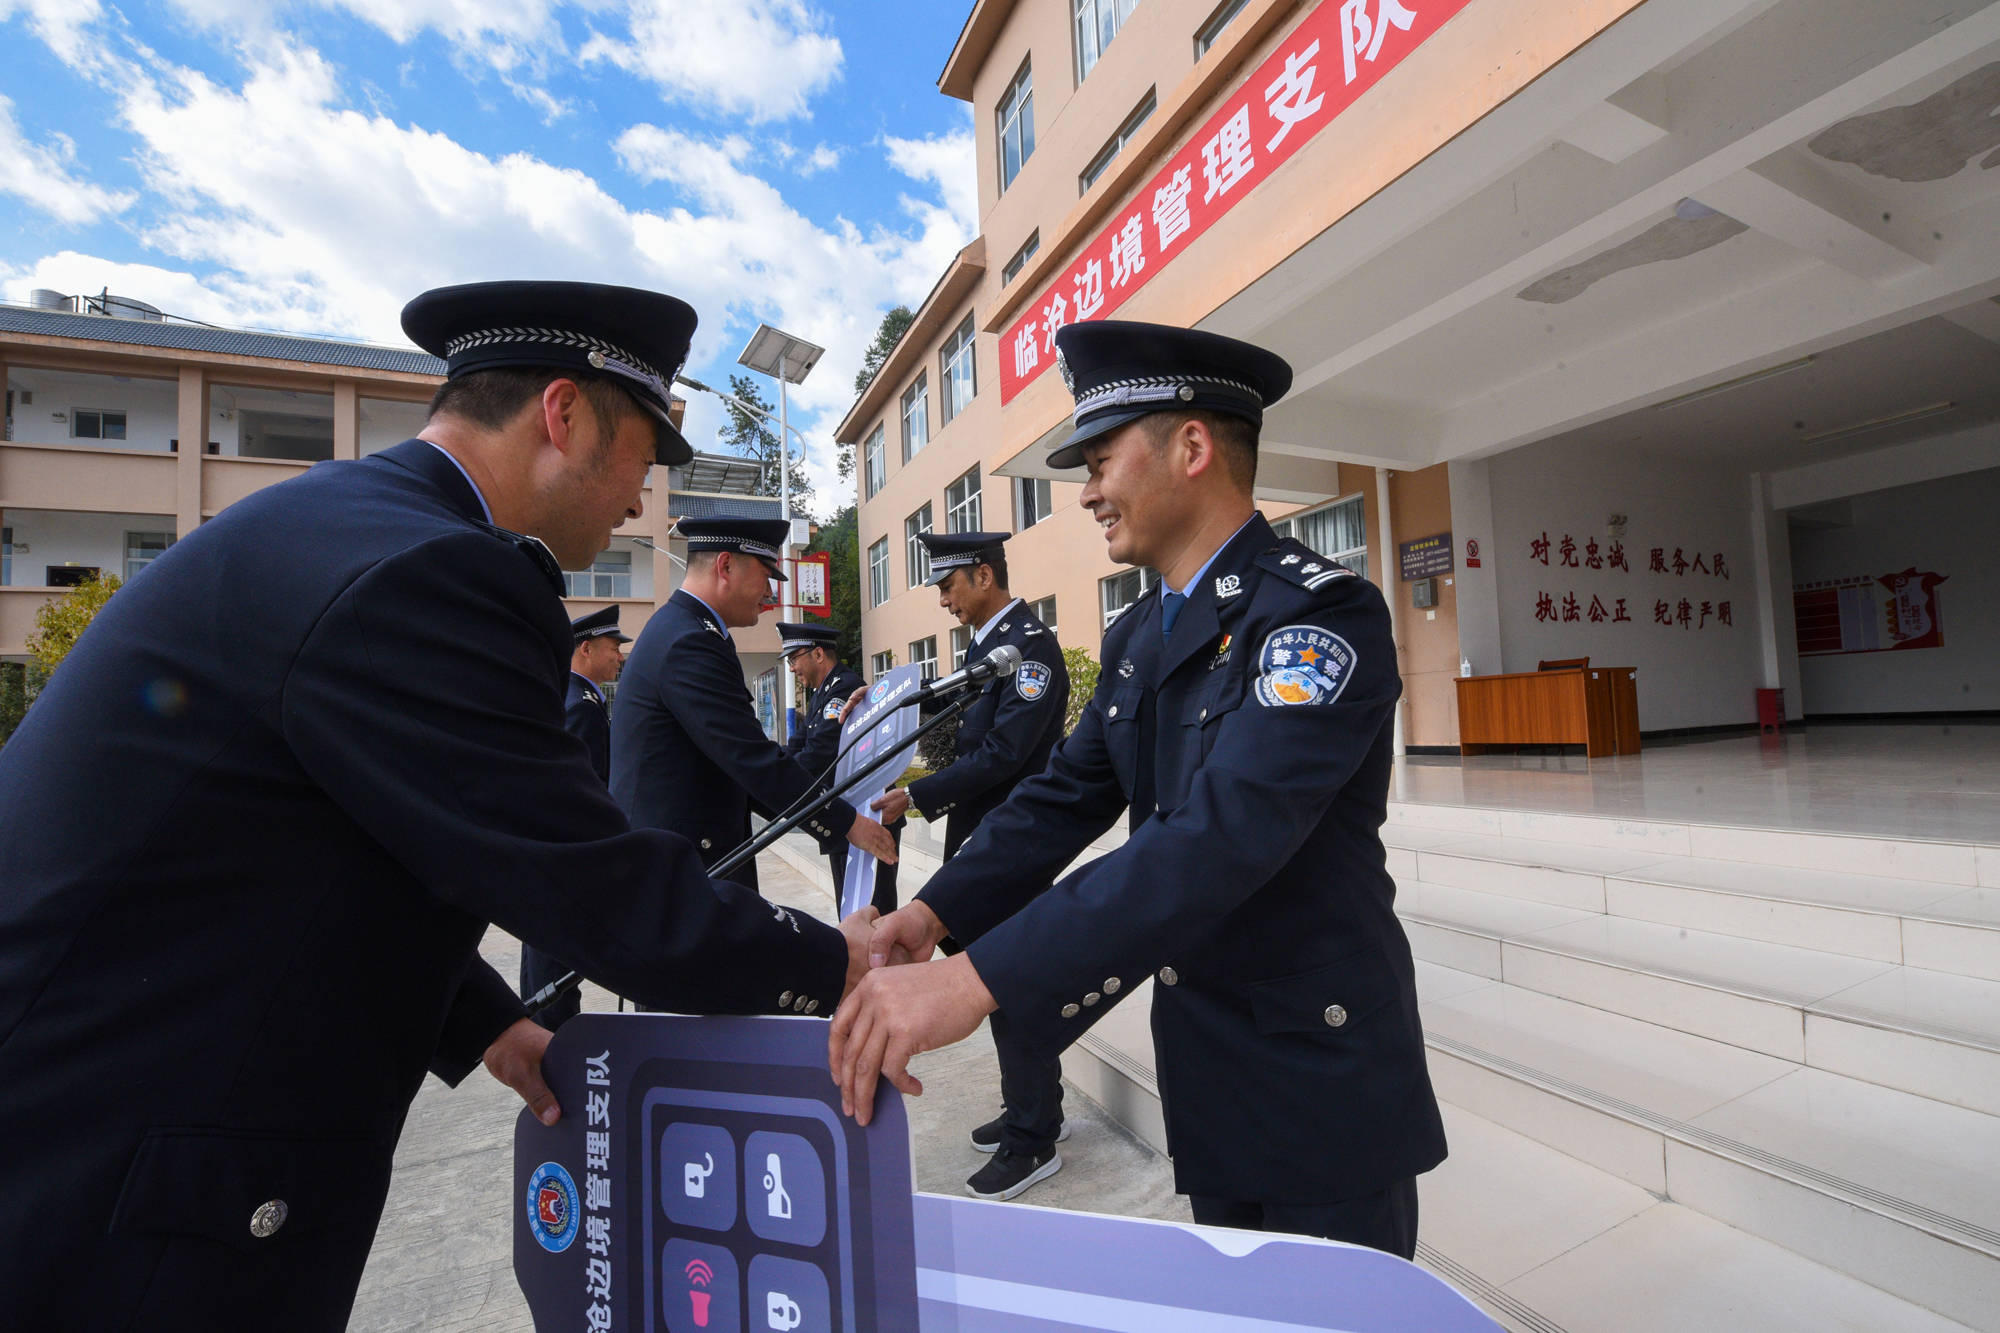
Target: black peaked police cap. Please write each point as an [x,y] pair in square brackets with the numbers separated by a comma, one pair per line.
[960,550]
[597,625]
[797,636]
[761,537]
[1119,371]
[635,339]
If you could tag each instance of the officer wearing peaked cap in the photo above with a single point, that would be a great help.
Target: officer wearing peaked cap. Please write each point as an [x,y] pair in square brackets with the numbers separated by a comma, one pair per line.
[1005,736]
[812,654]
[219,994]
[1244,717]
[687,752]
[593,663]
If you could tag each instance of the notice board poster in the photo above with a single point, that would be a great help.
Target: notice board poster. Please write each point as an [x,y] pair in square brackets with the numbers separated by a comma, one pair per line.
[1865,613]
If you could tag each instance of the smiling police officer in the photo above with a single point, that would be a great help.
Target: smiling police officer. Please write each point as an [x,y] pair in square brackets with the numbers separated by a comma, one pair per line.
[219,992]
[1244,714]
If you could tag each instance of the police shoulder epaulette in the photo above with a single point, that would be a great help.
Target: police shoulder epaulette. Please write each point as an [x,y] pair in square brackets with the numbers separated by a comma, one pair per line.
[534,548]
[1297,563]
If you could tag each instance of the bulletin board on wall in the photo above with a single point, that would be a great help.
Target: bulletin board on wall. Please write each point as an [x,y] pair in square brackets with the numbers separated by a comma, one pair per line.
[1864,613]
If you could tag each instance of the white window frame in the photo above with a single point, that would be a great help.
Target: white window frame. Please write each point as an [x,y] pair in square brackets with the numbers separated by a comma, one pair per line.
[1044,611]
[1354,557]
[1116,145]
[923,655]
[916,555]
[1128,584]
[101,417]
[874,463]
[135,563]
[961,644]
[1210,31]
[878,572]
[1015,115]
[962,504]
[1034,502]
[1092,16]
[609,571]
[6,557]
[881,664]
[1029,249]
[958,372]
[916,417]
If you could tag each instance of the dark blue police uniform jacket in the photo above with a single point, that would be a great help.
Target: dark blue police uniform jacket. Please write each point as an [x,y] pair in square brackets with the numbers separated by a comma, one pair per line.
[815,741]
[1253,747]
[1005,735]
[250,837]
[586,718]
[687,753]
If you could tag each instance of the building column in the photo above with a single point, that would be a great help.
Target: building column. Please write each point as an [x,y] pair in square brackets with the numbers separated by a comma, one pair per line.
[346,419]
[1478,589]
[1777,629]
[193,421]
[1385,577]
[8,434]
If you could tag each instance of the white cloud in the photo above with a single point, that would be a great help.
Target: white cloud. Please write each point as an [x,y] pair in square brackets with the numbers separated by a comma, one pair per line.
[824,157]
[509,36]
[946,162]
[59,23]
[40,176]
[756,59]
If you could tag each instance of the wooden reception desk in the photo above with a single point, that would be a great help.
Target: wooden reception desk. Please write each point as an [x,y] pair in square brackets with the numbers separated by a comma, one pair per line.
[1595,707]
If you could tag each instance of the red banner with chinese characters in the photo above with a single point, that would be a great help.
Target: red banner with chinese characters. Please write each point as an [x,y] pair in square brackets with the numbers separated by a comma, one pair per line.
[1336,54]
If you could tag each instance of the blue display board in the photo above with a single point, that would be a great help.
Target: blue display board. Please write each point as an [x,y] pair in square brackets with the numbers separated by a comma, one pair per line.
[703,1180]
[883,724]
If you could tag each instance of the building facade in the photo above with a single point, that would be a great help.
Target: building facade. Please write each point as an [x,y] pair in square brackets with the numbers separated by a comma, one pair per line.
[1626,330]
[95,477]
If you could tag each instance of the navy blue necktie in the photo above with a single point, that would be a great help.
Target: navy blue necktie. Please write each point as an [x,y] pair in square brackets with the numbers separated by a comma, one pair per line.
[1170,611]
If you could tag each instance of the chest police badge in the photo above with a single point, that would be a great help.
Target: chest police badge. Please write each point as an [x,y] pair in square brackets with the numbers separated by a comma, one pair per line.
[1303,664]
[832,709]
[1032,680]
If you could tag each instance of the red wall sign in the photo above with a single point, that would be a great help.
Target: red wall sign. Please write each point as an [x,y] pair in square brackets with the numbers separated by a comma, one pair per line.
[1337,53]
[1472,552]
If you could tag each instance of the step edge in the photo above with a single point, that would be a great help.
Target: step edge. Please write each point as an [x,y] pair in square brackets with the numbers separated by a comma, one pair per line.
[1481,1291]
[1688,824]
[1940,1226]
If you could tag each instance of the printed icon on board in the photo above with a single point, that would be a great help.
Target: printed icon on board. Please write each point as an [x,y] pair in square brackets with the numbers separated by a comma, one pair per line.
[776,1202]
[700,1276]
[695,1176]
[781,1312]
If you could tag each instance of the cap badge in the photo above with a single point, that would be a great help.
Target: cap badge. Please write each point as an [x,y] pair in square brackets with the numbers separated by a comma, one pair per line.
[596,359]
[1062,368]
[1186,392]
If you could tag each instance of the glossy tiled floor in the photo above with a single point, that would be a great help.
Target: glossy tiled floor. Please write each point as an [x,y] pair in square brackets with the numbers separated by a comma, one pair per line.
[1906,780]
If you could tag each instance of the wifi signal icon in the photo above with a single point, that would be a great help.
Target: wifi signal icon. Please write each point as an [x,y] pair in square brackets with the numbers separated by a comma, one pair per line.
[699,1275]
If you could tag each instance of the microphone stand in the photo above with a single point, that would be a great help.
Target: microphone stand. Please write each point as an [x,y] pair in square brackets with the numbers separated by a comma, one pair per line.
[777,829]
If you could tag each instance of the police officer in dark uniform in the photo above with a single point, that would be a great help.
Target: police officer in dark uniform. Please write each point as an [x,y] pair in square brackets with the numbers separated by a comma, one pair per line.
[219,993]
[687,752]
[1004,736]
[812,655]
[1244,714]
[593,663]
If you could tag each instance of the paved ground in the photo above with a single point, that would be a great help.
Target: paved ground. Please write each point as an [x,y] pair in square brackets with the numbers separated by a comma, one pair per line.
[443,1258]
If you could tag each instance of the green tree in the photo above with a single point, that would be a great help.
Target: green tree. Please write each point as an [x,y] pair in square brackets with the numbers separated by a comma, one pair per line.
[58,625]
[840,539]
[890,332]
[1082,669]
[748,435]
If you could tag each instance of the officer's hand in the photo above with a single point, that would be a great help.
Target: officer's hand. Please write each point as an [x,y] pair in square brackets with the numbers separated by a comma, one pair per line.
[852,700]
[872,838]
[515,1058]
[907,935]
[893,804]
[859,930]
[896,1013]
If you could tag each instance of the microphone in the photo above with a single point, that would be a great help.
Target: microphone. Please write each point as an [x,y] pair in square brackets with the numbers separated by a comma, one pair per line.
[1002,661]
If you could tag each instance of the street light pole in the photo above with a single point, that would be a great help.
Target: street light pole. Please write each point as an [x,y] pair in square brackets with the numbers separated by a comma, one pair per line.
[788,359]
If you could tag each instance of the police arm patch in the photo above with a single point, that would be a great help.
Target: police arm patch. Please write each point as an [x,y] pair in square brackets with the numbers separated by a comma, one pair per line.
[1303,664]
[1032,680]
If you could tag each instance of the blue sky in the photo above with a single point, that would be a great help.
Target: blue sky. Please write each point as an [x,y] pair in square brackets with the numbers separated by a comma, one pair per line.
[309,165]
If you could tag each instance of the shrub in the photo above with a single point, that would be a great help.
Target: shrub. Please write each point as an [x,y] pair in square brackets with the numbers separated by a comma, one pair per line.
[1082,669]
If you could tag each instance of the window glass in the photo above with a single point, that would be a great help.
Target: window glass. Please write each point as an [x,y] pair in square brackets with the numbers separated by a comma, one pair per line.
[956,371]
[917,556]
[1016,114]
[878,573]
[87,423]
[881,664]
[961,500]
[1211,31]
[923,653]
[1121,590]
[1032,502]
[916,419]
[610,575]
[875,464]
[961,643]
[142,548]
[1045,611]
[1029,249]
[1097,22]
[1338,532]
[1109,153]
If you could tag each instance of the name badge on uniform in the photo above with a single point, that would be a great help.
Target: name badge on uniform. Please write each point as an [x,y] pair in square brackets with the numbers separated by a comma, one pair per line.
[1303,664]
[1032,680]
